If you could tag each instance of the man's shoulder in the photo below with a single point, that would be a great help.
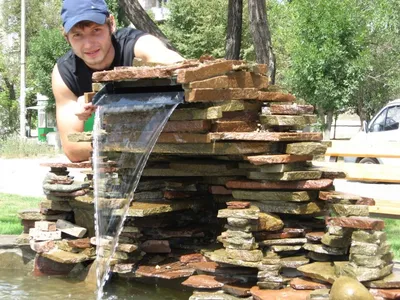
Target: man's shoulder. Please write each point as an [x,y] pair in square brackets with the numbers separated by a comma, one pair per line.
[66,58]
[128,33]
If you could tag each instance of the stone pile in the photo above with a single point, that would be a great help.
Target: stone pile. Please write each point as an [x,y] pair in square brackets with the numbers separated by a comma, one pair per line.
[228,198]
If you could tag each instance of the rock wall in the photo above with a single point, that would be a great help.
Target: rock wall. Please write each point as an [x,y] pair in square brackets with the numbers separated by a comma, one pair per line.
[229,199]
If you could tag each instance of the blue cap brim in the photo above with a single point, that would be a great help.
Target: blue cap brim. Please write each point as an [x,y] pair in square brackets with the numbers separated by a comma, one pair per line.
[98,18]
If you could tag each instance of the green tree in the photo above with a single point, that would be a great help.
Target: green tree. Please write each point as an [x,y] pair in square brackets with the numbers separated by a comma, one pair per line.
[326,43]
[196,29]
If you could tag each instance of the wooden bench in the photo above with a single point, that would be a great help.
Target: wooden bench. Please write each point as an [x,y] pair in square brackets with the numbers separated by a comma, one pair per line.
[368,172]
[363,149]
[385,209]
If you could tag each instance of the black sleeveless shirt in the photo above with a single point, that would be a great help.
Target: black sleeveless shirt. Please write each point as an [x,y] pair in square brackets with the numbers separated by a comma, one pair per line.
[77,76]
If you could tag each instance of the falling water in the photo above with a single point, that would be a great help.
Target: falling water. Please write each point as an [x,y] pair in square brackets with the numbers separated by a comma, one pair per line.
[126,126]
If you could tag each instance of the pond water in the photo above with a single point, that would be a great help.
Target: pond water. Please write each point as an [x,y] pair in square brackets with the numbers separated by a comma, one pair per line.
[19,285]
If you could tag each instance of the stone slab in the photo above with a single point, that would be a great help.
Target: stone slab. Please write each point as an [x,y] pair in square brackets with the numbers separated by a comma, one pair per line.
[356,222]
[277,159]
[267,136]
[238,79]
[282,294]
[274,185]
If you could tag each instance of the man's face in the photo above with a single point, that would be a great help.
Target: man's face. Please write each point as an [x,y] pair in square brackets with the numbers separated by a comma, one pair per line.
[92,43]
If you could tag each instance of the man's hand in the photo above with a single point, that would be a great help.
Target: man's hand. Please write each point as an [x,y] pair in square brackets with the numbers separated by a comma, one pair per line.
[84,110]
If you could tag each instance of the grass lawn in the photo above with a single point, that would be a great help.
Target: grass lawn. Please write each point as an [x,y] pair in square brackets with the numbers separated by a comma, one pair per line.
[392,229]
[9,206]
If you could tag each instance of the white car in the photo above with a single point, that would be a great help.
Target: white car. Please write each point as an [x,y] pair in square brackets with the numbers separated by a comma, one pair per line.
[384,127]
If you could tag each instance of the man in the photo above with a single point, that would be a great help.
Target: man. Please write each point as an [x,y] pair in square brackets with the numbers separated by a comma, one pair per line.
[96,45]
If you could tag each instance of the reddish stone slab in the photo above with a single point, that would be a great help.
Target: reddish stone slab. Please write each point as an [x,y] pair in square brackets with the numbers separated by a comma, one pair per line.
[307,284]
[283,294]
[275,96]
[179,138]
[219,190]
[211,95]
[72,194]
[333,195]
[291,109]
[237,290]
[192,258]
[80,165]
[80,243]
[267,136]
[238,204]
[131,73]
[386,293]
[366,201]
[239,79]
[206,281]
[208,70]
[233,126]
[356,222]
[155,246]
[284,234]
[259,69]
[277,185]
[277,159]
[205,266]
[44,267]
[315,236]
[40,247]
[166,271]
[187,126]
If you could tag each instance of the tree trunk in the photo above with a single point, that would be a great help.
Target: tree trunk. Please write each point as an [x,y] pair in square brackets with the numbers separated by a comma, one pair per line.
[234,30]
[141,20]
[328,125]
[261,36]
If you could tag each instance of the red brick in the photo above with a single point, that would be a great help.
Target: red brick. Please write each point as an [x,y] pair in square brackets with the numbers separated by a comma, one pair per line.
[187,126]
[277,159]
[233,126]
[275,96]
[356,222]
[283,294]
[210,95]
[276,185]
[207,70]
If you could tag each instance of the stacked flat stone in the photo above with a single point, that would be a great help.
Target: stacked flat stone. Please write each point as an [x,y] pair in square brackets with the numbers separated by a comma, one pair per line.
[236,142]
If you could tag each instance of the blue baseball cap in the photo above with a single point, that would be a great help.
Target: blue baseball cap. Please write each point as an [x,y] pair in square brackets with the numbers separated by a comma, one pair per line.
[75,11]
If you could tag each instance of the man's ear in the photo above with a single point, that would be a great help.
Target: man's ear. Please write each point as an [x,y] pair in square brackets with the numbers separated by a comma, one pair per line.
[67,39]
[113,26]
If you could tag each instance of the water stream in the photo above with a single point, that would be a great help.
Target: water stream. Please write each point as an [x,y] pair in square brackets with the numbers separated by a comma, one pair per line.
[128,125]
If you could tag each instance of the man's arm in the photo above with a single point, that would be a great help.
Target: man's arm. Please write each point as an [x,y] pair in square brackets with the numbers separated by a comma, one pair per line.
[68,121]
[151,49]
